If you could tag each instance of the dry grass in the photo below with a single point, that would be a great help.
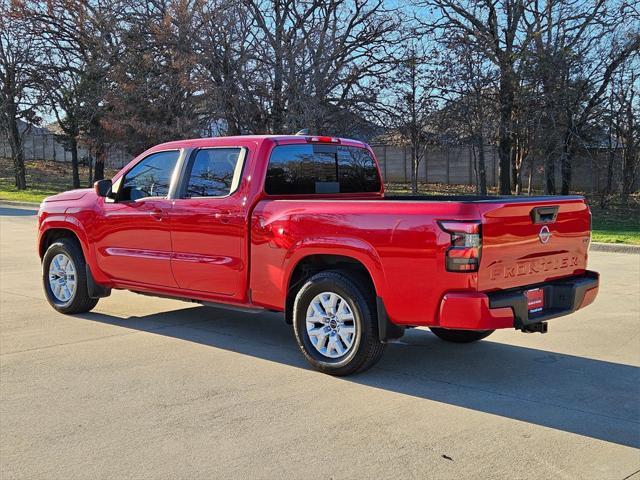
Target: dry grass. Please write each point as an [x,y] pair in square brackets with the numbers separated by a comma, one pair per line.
[44,178]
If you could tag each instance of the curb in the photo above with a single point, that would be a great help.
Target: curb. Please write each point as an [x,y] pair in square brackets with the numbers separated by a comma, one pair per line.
[14,203]
[615,248]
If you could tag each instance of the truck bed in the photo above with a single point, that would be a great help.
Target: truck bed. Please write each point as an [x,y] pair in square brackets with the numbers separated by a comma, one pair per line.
[399,240]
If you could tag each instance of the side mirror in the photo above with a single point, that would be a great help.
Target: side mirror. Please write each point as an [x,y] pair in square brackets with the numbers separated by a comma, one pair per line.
[102,187]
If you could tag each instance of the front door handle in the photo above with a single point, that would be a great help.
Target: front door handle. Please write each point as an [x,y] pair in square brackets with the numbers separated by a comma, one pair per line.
[157,213]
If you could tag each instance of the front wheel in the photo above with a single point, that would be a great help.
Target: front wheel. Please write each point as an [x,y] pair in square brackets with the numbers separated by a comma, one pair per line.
[460,336]
[335,324]
[65,279]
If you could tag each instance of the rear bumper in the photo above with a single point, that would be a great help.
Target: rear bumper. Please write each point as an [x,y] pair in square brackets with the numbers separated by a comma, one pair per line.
[508,309]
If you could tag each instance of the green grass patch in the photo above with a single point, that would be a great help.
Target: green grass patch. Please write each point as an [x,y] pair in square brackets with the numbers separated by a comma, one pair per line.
[617,223]
[616,236]
[36,195]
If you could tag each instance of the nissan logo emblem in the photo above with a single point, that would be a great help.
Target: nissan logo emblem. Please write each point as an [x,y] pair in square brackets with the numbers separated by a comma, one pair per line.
[544,234]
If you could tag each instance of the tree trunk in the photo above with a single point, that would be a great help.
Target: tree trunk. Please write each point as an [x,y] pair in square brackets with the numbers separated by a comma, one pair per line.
[609,182]
[549,174]
[516,171]
[504,131]
[565,167]
[482,169]
[19,170]
[612,155]
[414,170]
[518,188]
[631,162]
[90,182]
[630,153]
[73,146]
[17,153]
[474,162]
[277,106]
[101,154]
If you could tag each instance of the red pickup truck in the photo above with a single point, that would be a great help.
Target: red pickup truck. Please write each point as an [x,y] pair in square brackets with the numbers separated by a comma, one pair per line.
[301,225]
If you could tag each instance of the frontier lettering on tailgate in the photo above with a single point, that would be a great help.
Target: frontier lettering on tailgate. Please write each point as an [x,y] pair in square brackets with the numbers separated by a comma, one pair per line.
[529,267]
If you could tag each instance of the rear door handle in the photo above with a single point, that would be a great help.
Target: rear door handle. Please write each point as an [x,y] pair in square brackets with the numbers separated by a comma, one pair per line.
[222,215]
[157,213]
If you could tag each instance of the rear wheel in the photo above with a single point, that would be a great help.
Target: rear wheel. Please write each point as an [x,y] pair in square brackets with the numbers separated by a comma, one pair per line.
[65,279]
[335,324]
[460,336]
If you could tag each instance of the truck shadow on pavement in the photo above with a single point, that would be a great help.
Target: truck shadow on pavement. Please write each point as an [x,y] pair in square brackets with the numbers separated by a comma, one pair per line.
[579,395]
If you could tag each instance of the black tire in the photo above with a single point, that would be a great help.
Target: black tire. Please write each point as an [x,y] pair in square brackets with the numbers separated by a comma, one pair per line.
[460,336]
[367,348]
[80,301]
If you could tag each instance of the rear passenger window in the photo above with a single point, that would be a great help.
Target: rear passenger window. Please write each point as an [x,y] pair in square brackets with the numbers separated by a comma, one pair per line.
[318,169]
[214,172]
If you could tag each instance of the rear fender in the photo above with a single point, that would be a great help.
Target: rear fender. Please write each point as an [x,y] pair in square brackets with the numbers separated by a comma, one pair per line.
[350,247]
[355,249]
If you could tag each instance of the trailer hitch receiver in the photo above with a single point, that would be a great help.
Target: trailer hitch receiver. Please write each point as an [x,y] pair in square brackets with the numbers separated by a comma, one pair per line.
[540,327]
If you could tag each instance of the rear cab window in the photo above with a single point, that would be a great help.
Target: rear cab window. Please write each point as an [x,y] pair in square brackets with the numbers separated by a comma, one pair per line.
[307,169]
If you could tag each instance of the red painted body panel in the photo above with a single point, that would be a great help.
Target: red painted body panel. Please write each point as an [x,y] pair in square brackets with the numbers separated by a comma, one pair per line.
[132,241]
[398,242]
[209,237]
[471,311]
[242,249]
[512,253]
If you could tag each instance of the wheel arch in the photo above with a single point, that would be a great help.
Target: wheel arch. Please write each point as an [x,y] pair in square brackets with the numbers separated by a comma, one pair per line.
[313,262]
[53,233]
[55,228]
[308,265]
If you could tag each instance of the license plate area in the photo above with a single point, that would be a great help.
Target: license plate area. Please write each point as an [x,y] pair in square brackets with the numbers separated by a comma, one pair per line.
[535,300]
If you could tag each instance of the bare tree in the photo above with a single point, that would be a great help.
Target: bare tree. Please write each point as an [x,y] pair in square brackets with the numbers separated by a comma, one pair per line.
[470,113]
[321,58]
[20,52]
[227,69]
[627,126]
[496,29]
[533,77]
[153,92]
[79,45]
[415,90]
[579,47]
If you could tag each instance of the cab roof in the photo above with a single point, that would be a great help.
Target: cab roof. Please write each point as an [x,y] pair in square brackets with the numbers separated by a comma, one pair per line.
[277,139]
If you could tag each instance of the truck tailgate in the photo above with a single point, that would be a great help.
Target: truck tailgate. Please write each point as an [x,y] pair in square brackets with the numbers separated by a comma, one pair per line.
[530,242]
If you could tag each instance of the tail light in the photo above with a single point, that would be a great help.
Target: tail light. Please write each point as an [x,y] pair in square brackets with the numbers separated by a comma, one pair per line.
[466,241]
